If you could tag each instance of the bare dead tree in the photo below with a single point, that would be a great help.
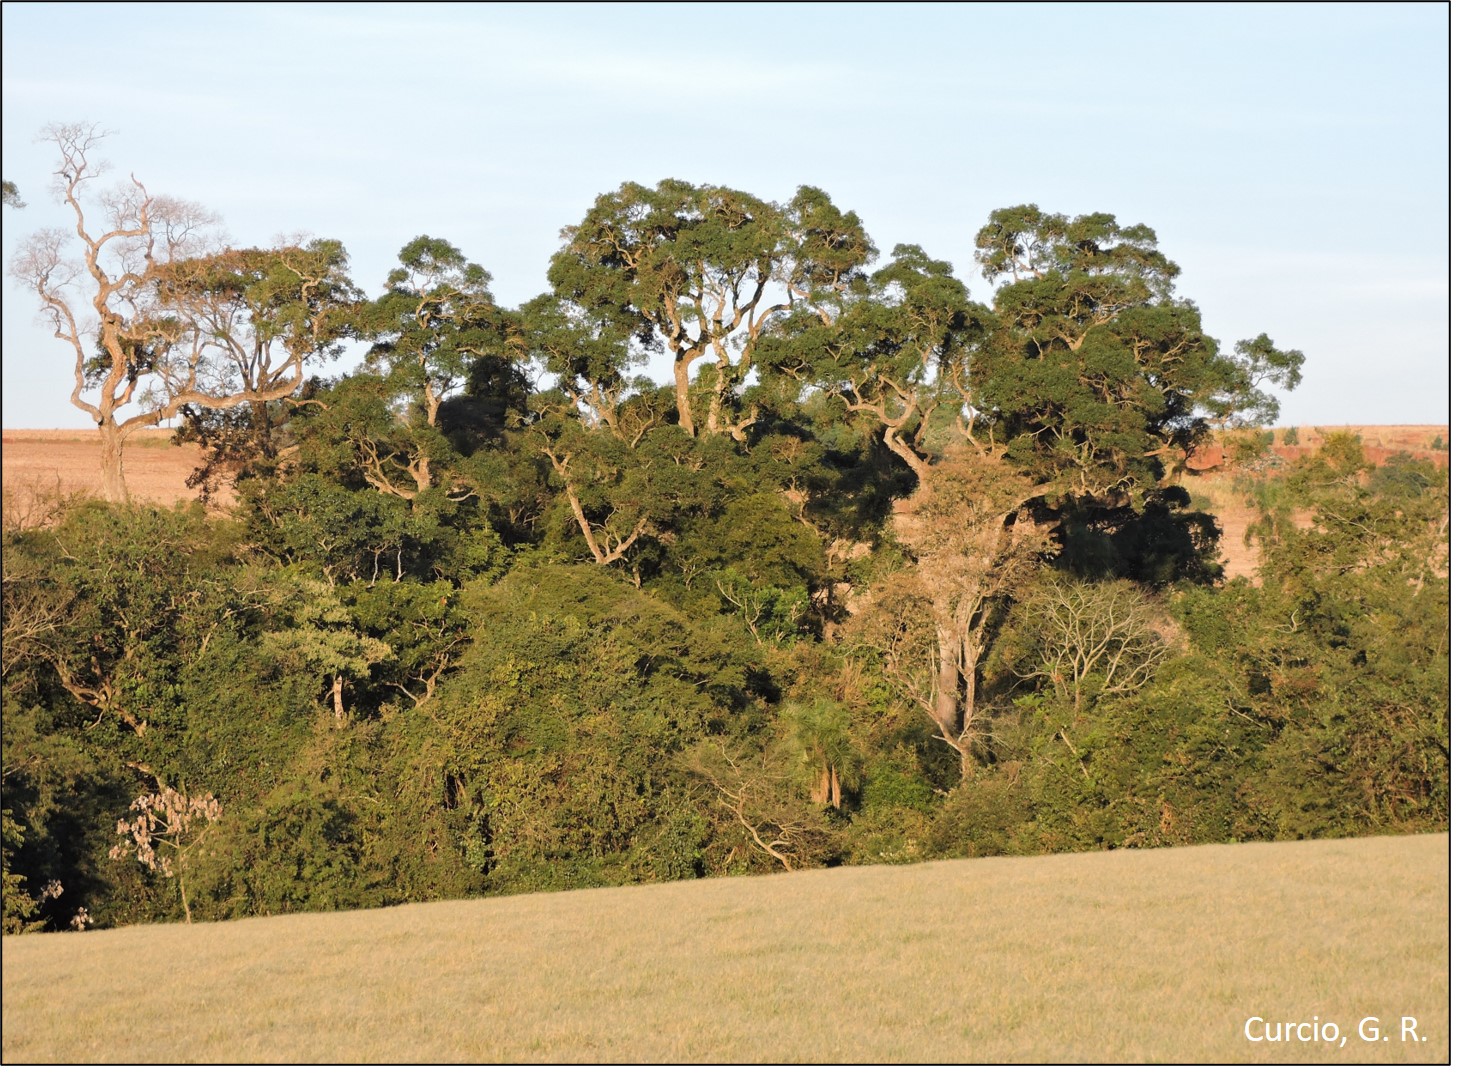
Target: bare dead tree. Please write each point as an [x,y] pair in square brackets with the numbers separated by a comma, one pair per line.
[1093,640]
[137,339]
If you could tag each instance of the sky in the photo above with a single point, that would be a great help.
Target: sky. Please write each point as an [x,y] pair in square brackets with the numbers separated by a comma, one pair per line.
[1292,159]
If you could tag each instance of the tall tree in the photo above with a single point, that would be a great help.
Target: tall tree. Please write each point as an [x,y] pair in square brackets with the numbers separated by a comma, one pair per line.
[1096,370]
[1096,378]
[892,356]
[1096,363]
[437,331]
[702,273]
[253,319]
[932,624]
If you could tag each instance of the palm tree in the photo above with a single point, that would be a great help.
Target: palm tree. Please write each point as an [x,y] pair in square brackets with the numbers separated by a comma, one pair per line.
[820,733]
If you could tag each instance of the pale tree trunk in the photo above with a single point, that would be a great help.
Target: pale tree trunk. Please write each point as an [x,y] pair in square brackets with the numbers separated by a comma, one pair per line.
[421,470]
[183,893]
[114,484]
[681,375]
[948,686]
[338,683]
[948,711]
[826,789]
[907,454]
[714,404]
[819,793]
[608,553]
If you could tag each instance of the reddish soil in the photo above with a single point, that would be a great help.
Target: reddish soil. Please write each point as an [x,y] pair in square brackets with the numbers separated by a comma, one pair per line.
[1214,487]
[1379,442]
[46,461]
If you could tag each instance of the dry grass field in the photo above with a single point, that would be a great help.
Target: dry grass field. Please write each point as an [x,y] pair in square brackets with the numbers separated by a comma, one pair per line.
[1129,956]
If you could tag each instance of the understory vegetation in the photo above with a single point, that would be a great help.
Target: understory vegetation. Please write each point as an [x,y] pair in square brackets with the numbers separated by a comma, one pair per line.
[882,574]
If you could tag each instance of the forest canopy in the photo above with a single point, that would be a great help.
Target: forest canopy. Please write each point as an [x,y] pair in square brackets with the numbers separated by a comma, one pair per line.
[882,573]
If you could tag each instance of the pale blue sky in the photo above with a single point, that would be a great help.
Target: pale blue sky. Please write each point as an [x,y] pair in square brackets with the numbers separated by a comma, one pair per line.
[1292,158]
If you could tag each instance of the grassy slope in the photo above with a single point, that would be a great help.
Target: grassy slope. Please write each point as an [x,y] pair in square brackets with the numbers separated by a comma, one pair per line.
[1155,955]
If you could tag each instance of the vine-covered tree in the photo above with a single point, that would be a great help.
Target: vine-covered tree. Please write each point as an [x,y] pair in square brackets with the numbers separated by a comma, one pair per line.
[932,623]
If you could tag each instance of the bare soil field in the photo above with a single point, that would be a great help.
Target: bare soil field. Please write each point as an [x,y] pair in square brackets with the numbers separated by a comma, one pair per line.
[1193,955]
[47,461]
[1215,486]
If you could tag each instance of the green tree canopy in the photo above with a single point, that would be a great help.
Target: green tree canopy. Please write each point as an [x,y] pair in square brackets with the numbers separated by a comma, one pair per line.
[701,272]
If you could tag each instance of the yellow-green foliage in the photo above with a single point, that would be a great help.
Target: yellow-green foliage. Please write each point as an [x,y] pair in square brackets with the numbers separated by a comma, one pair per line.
[1130,956]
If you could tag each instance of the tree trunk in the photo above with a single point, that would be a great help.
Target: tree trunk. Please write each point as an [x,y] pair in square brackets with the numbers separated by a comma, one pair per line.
[263,431]
[968,763]
[421,471]
[947,711]
[337,685]
[114,484]
[681,375]
[183,893]
[819,793]
[714,411]
[922,469]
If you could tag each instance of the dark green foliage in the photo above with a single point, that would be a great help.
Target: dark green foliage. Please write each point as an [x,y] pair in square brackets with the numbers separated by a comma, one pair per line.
[1353,676]
[1098,362]
[248,715]
[896,807]
[985,816]
[698,272]
[344,533]
[1160,541]
[898,357]
[548,761]
[1241,400]
[56,788]
[131,592]
[441,378]
[298,850]
[1096,368]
